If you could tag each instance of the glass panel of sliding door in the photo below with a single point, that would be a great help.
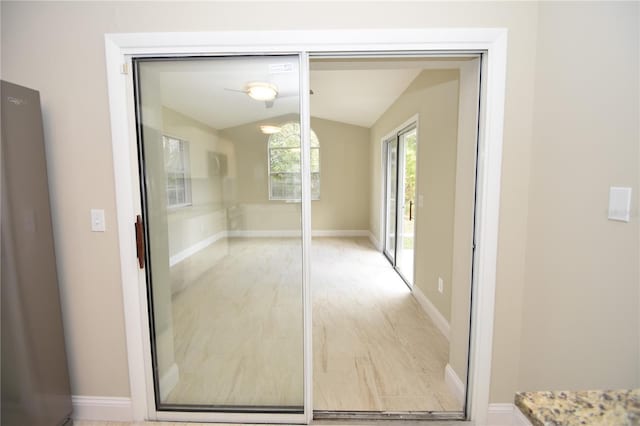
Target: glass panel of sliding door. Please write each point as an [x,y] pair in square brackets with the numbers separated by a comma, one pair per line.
[391,197]
[406,200]
[223,225]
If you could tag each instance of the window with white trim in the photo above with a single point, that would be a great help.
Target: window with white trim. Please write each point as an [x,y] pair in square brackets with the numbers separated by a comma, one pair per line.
[176,163]
[284,164]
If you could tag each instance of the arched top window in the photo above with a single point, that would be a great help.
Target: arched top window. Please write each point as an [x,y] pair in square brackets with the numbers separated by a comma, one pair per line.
[284,164]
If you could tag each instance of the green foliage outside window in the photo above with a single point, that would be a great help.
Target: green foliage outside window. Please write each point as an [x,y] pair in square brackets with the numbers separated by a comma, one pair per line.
[285,164]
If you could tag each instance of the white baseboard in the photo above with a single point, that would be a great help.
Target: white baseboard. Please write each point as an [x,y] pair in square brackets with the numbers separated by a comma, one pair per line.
[506,415]
[340,233]
[433,312]
[102,408]
[286,233]
[168,381]
[278,233]
[520,418]
[455,385]
[200,245]
[375,241]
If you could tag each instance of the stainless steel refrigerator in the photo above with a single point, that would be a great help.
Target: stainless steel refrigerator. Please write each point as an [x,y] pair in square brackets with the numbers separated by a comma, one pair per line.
[35,379]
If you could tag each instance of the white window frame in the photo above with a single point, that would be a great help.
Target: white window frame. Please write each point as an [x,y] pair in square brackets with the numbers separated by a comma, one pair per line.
[186,172]
[119,48]
[269,173]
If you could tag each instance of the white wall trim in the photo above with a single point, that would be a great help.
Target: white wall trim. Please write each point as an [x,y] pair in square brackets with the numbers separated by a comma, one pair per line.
[168,381]
[200,245]
[103,408]
[340,233]
[489,175]
[285,233]
[520,418]
[278,233]
[377,244]
[438,319]
[453,382]
[506,415]
[449,41]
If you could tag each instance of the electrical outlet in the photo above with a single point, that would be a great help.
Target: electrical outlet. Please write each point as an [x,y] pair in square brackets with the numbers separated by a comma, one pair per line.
[97,220]
[440,285]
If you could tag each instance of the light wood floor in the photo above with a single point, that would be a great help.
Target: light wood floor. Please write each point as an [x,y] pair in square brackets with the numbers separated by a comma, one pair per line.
[238,331]
[324,423]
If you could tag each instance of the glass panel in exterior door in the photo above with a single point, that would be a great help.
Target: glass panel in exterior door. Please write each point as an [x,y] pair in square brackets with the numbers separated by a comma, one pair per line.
[391,191]
[226,306]
[405,251]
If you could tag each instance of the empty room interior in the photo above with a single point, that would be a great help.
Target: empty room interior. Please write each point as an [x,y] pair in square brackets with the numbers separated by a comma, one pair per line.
[391,180]
[285,212]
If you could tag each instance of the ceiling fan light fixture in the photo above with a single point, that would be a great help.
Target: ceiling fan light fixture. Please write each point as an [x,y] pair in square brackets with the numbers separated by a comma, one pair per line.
[269,129]
[262,91]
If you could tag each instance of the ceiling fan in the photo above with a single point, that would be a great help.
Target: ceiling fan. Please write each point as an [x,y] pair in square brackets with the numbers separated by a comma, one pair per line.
[263,91]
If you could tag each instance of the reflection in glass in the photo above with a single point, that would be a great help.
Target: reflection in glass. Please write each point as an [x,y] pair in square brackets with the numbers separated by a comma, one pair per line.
[285,166]
[226,302]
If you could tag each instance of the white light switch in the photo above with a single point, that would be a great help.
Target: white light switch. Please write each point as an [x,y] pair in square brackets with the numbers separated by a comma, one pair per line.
[619,203]
[440,285]
[97,220]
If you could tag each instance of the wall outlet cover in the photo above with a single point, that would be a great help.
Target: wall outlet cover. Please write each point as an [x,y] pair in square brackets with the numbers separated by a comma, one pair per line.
[619,203]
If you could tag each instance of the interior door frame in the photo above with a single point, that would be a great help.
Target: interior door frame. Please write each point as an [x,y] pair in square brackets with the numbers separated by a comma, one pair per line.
[490,42]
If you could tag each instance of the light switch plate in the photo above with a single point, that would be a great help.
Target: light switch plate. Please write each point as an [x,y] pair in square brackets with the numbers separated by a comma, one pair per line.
[97,220]
[619,203]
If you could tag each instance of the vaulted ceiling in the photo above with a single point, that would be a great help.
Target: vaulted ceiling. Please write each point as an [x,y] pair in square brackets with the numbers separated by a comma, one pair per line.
[354,91]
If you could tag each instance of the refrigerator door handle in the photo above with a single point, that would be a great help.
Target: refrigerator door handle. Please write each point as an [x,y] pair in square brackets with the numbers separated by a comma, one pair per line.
[139,241]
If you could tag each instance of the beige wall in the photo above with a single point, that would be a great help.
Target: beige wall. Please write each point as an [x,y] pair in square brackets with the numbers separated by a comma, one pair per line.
[344,179]
[58,48]
[252,210]
[205,220]
[156,217]
[461,268]
[580,319]
[206,216]
[433,96]
[446,177]
[344,176]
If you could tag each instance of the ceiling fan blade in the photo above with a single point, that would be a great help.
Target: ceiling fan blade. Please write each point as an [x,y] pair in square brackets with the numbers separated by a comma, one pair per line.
[291,95]
[235,90]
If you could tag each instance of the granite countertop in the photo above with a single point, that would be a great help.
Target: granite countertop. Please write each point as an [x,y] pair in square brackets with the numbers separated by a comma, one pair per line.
[606,408]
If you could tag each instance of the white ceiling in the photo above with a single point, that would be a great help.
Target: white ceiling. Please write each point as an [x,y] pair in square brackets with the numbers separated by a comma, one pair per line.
[351,91]
[198,88]
[357,97]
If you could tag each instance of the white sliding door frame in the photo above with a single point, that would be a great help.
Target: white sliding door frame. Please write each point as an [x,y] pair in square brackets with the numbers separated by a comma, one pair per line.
[120,48]
[412,123]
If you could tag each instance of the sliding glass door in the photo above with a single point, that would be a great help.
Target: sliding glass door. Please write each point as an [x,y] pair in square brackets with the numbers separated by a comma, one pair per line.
[391,197]
[224,251]
[400,201]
